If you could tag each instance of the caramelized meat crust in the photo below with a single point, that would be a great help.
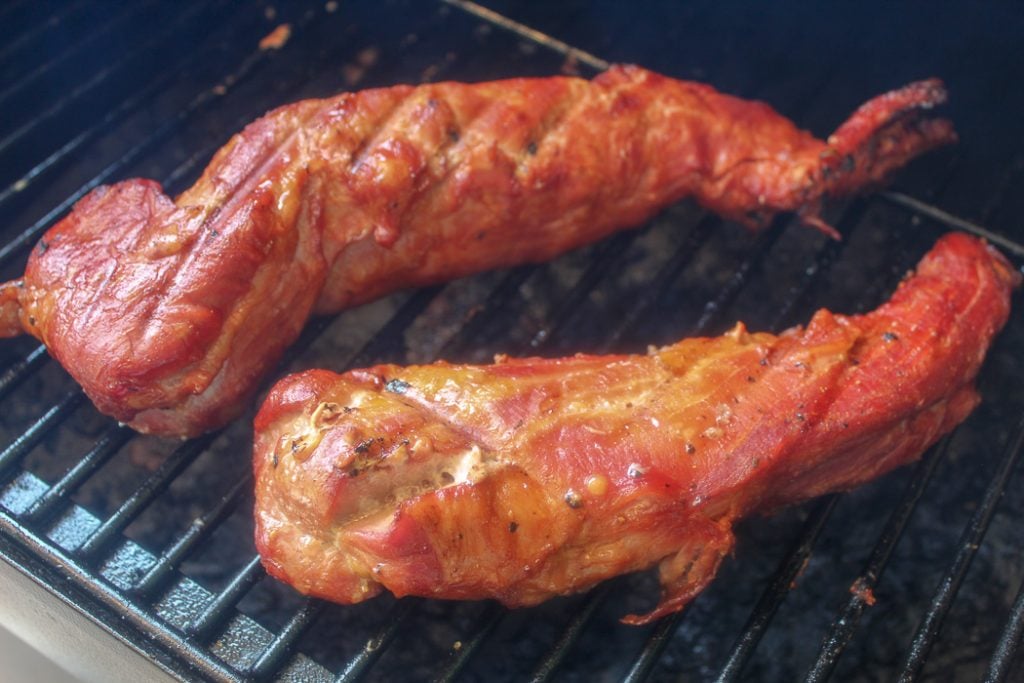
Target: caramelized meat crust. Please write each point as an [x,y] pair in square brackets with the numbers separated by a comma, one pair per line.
[168,312]
[531,478]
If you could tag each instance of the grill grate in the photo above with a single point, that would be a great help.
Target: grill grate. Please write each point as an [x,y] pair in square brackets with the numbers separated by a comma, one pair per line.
[152,540]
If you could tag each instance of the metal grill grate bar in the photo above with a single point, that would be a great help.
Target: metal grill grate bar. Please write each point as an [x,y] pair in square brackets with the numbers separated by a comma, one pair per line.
[659,638]
[849,616]
[482,630]
[240,73]
[275,655]
[200,529]
[777,590]
[221,605]
[129,10]
[62,568]
[691,243]
[110,530]
[388,339]
[357,667]
[97,78]
[29,36]
[714,308]
[606,254]
[19,188]
[16,373]
[1002,658]
[573,630]
[47,504]
[947,589]
[823,262]
[503,293]
[955,222]
[20,447]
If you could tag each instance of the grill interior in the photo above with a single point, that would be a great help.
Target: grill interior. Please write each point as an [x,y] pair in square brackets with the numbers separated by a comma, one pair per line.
[152,538]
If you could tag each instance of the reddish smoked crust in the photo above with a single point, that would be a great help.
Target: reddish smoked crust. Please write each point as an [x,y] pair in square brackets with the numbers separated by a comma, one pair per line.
[532,478]
[168,313]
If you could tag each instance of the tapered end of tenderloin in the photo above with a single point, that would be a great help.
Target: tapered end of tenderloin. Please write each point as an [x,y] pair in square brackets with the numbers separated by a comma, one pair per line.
[883,135]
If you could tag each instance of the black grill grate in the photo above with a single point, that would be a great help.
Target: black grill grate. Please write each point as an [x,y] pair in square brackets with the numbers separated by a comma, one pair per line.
[153,540]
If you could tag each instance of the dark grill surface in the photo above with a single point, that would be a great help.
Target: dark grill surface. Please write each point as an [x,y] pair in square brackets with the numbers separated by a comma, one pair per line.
[152,538]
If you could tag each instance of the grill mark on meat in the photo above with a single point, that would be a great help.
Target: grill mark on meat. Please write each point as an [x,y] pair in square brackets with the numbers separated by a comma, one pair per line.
[551,124]
[448,150]
[785,441]
[375,136]
[589,157]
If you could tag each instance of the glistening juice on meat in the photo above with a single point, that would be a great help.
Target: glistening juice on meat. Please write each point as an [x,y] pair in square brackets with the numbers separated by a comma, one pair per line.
[170,312]
[531,478]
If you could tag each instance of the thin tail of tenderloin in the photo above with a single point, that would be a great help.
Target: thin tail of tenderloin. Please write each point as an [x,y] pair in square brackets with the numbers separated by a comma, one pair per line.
[10,309]
[881,136]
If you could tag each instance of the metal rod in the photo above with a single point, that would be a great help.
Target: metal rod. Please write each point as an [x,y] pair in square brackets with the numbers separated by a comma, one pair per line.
[386,340]
[45,507]
[17,373]
[823,261]
[777,590]
[242,71]
[580,618]
[30,35]
[378,643]
[846,623]
[530,34]
[666,275]
[727,294]
[274,656]
[28,439]
[935,213]
[605,254]
[100,540]
[656,643]
[200,529]
[1002,657]
[483,627]
[214,615]
[498,299]
[972,536]
[130,10]
[18,188]
[43,116]
[58,569]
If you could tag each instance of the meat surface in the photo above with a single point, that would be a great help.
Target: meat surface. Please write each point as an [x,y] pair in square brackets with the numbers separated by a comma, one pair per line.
[531,478]
[168,313]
